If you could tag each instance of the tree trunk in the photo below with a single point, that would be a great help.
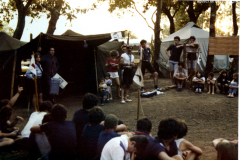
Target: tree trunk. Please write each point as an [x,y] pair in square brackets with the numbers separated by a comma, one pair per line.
[210,58]
[171,20]
[20,24]
[235,26]
[190,12]
[55,13]
[157,43]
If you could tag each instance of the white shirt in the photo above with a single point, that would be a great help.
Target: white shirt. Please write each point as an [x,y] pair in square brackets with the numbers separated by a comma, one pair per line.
[178,141]
[202,78]
[113,151]
[212,79]
[127,59]
[34,120]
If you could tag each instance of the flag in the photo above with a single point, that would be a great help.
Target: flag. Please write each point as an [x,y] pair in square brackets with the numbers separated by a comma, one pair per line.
[32,66]
[138,77]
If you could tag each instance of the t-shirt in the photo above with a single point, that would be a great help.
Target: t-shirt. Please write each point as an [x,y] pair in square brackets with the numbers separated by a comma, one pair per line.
[180,71]
[127,59]
[104,138]
[62,137]
[113,67]
[80,119]
[34,120]
[115,149]
[156,146]
[233,83]
[175,52]
[90,137]
[212,79]
[145,134]
[202,78]
[222,80]
[146,53]
[102,87]
[227,151]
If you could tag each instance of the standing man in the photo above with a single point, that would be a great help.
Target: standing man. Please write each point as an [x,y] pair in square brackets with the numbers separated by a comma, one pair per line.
[146,64]
[50,66]
[174,57]
[126,61]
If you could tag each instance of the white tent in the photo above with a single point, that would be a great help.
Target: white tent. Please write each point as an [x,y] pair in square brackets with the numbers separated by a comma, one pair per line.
[202,37]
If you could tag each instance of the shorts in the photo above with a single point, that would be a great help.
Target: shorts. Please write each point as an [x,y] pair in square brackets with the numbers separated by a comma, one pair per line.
[1,139]
[103,94]
[127,76]
[113,74]
[109,89]
[173,65]
[189,63]
[147,65]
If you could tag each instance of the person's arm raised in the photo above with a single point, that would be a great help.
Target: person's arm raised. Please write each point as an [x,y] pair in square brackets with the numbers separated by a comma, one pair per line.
[15,97]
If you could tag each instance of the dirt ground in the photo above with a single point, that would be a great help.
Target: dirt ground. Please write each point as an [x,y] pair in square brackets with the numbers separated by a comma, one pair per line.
[207,116]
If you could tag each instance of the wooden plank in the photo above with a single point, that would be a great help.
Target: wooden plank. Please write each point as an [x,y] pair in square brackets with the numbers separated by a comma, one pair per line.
[223,46]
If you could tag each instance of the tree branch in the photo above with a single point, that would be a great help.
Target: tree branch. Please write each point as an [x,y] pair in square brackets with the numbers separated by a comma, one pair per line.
[152,16]
[27,5]
[142,15]
[176,11]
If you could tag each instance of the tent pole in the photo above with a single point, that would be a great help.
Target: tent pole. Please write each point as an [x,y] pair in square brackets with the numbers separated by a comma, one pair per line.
[13,73]
[96,68]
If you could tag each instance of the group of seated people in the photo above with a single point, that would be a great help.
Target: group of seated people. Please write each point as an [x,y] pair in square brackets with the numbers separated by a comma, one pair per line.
[223,82]
[91,135]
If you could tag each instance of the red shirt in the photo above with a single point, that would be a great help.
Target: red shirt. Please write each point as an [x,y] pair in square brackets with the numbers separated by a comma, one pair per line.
[113,62]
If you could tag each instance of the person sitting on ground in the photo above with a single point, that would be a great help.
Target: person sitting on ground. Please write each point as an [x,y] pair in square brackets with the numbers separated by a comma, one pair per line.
[91,132]
[233,87]
[186,148]
[11,102]
[36,118]
[199,81]
[61,134]
[121,147]
[144,127]
[180,75]
[111,127]
[222,82]
[211,81]
[108,82]
[164,146]
[7,135]
[103,92]
[226,150]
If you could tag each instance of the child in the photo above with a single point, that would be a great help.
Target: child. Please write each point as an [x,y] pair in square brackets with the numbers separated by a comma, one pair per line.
[222,81]
[233,88]
[199,81]
[108,82]
[144,127]
[180,74]
[103,92]
[184,145]
[31,76]
[211,83]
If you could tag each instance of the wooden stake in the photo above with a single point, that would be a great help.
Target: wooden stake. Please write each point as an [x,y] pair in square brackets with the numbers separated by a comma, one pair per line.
[36,92]
[13,73]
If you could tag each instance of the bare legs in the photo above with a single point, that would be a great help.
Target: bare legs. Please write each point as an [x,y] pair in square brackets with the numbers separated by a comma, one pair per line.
[155,78]
[40,100]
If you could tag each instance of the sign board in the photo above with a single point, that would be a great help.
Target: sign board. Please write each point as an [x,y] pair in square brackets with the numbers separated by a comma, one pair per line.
[223,46]
[116,35]
[62,83]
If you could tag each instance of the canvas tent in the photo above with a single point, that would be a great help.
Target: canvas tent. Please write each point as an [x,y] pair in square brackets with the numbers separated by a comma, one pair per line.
[202,37]
[77,63]
[8,47]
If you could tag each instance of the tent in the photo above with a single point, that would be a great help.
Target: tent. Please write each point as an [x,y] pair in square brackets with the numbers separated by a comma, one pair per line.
[8,47]
[77,63]
[202,37]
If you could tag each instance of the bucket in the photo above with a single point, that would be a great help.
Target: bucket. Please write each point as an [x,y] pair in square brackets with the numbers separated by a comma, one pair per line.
[54,89]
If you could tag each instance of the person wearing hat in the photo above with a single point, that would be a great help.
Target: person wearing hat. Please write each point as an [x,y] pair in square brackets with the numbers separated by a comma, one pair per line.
[126,61]
[111,127]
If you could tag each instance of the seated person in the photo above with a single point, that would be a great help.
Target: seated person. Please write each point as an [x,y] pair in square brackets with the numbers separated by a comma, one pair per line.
[144,127]
[199,81]
[80,117]
[222,82]
[36,118]
[91,133]
[61,134]
[121,147]
[103,92]
[108,82]
[164,146]
[233,87]
[180,75]
[185,147]
[226,150]
[111,127]
[7,135]
[211,81]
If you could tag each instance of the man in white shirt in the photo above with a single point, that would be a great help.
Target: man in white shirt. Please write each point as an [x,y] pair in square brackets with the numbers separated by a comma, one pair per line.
[126,61]
[120,148]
